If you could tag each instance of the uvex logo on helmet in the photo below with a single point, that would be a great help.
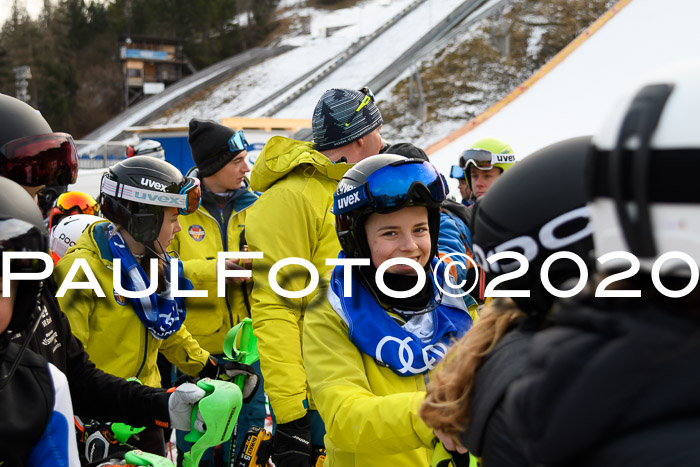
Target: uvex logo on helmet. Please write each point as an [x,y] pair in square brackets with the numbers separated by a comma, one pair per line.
[152,184]
[505,158]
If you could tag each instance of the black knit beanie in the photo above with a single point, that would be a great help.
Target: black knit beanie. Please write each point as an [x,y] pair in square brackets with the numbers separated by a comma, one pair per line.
[336,121]
[406,150]
[208,141]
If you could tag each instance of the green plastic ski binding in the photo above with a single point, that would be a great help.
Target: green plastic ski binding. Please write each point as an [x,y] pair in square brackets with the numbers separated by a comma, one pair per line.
[138,457]
[122,431]
[241,346]
[219,410]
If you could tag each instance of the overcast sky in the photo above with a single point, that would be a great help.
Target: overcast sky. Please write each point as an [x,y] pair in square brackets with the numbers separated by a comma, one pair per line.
[34,7]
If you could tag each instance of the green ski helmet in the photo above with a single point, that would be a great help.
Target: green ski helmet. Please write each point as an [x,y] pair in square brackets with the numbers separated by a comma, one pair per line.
[486,154]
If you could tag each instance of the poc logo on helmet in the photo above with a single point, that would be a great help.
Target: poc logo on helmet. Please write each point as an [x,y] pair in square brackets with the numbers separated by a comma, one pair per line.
[64,238]
[152,184]
[505,158]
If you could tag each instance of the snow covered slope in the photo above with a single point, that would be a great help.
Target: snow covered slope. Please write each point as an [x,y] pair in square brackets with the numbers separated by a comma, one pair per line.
[574,98]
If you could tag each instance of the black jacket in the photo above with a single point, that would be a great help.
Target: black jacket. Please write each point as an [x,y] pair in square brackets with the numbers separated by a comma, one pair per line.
[94,393]
[488,435]
[611,386]
[26,403]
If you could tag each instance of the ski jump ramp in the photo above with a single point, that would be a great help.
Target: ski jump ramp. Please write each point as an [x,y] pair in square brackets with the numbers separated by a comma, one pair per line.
[572,94]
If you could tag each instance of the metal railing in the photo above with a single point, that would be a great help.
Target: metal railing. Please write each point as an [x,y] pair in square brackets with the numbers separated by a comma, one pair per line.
[93,155]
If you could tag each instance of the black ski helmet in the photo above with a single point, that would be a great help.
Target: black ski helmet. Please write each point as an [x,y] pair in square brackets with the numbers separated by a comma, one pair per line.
[19,120]
[31,154]
[547,217]
[383,184]
[22,230]
[135,191]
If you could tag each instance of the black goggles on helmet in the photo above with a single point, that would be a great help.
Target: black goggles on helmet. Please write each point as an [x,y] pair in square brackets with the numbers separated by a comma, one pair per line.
[19,236]
[394,186]
[186,197]
[485,160]
[49,159]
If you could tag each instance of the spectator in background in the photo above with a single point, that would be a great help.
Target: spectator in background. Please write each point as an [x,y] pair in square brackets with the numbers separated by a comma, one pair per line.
[218,225]
[71,202]
[485,161]
[457,172]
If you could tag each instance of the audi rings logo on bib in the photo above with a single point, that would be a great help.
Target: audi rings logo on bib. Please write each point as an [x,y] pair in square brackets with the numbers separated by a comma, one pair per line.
[401,349]
[196,232]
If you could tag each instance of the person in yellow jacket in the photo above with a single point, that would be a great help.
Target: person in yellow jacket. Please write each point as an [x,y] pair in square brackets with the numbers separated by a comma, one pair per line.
[142,197]
[369,351]
[218,226]
[293,218]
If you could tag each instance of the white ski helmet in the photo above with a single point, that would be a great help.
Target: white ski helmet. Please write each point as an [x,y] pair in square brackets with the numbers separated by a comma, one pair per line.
[643,172]
[150,147]
[68,231]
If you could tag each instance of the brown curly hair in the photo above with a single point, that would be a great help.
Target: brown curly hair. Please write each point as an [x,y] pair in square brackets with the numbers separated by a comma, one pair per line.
[446,405]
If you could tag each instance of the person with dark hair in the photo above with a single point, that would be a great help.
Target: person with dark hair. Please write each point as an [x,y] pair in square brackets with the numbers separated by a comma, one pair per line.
[614,382]
[218,225]
[368,354]
[458,173]
[37,414]
[465,400]
[46,198]
[141,198]
[32,155]
[292,218]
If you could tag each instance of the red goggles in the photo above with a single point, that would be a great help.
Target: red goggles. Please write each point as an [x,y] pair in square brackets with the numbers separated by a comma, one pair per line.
[49,159]
[69,203]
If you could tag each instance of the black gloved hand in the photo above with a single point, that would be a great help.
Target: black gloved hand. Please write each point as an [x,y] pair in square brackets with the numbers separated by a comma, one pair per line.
[211,369]
[251,382]
[227,371]
[291,445]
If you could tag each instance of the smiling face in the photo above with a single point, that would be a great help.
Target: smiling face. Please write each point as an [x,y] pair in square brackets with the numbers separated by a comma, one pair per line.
[400,234]
[170,227]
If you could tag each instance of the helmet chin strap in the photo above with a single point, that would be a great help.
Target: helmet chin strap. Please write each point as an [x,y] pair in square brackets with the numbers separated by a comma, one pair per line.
[29,330]
[164,256]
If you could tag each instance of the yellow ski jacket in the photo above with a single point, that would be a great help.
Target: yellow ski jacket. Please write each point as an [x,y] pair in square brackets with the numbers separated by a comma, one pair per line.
[292,218]
[108,327]
[198,243]
[370,412]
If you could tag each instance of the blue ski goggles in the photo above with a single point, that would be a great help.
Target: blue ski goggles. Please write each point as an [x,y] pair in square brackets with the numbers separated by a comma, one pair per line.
[394,186]
[237,142]
[457,172]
